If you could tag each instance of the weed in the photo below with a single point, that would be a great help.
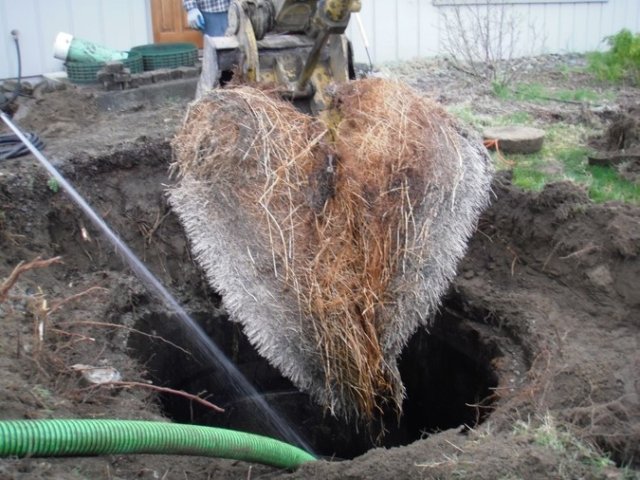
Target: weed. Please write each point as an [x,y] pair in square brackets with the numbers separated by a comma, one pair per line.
[546,432]
[53,185]
[500,90]
[629,473]
[621,62]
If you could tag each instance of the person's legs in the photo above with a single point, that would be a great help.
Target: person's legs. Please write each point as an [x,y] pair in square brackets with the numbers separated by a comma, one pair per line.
[215,24]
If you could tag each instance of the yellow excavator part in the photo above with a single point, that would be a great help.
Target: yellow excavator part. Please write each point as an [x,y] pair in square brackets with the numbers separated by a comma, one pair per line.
[298,47]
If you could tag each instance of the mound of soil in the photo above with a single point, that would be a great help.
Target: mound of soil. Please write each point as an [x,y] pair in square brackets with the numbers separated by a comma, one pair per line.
[548,287]
[620,144]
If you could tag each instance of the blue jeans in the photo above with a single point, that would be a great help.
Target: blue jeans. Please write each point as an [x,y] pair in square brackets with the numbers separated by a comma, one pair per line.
[215,24]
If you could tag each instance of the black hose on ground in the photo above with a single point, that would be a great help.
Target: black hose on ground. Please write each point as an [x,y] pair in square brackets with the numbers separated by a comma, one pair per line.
[11,146]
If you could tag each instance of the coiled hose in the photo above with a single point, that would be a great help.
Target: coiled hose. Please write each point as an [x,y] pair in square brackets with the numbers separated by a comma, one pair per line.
[46,438]
[11,146]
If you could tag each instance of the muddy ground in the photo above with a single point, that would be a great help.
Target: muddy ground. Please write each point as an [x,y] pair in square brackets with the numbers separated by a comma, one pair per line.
[533,360]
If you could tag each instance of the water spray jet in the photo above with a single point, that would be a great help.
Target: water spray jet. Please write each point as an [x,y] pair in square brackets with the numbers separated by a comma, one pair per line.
[204,344]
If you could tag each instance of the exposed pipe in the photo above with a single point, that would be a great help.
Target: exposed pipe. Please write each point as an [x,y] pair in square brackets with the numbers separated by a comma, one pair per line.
[5,103]
[70,437]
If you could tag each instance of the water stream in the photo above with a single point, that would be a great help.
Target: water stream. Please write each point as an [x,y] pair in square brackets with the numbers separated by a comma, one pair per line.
[201,340]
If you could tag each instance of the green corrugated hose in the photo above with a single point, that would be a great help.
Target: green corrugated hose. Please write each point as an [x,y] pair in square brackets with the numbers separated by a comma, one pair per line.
[48,438]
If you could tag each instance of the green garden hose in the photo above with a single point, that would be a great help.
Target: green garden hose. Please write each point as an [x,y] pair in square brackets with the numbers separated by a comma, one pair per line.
[48,438]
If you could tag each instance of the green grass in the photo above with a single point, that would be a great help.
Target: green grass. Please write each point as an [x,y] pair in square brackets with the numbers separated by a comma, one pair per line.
[515,118]
[560,159]
[528,92]
[530,179]
[535,92]
[563,156]
[465,113]
[566,71]
[579,95]
[606,185]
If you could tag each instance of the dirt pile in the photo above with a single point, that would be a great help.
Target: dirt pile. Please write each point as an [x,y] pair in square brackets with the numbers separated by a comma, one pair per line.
[343,232]
[624,131]
[619,146]
[573,266]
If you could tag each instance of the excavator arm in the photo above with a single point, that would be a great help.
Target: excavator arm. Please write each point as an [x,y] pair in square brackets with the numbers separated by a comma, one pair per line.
[297,45]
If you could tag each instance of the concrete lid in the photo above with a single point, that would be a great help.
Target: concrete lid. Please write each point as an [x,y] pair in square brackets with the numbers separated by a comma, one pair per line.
[516,138]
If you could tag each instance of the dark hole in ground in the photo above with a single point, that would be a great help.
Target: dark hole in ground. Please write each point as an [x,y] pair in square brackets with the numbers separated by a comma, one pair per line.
[447,374]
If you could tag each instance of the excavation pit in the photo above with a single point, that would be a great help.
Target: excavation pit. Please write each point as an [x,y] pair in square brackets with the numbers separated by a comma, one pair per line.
[447,372]
[552,275]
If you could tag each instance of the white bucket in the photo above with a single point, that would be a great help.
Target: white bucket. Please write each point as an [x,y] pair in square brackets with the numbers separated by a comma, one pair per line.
[68,48]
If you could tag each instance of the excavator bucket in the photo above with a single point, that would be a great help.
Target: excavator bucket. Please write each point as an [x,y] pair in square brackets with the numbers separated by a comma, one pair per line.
[332,238]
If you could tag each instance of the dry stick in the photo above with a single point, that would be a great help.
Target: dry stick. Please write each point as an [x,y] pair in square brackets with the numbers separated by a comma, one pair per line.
[20,269]
[514,261]
[115,325]
[455,66]
[62,302]
[79,336]
[12,237]
[583,251]
[553,251]
[149,232]
[180,393]
[41,324]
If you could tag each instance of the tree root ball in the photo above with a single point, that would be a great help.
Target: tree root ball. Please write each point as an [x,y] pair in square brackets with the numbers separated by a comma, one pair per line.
[331,239]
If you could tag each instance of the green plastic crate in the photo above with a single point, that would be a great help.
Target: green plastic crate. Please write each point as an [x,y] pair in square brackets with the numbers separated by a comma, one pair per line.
[167,55]
[86,72]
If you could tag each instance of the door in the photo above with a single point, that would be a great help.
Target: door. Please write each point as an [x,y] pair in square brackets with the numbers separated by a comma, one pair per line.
[170,23]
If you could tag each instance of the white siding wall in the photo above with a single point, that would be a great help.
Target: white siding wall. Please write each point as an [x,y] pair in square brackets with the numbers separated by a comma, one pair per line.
[406,29]
[397,29]
[119,24]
